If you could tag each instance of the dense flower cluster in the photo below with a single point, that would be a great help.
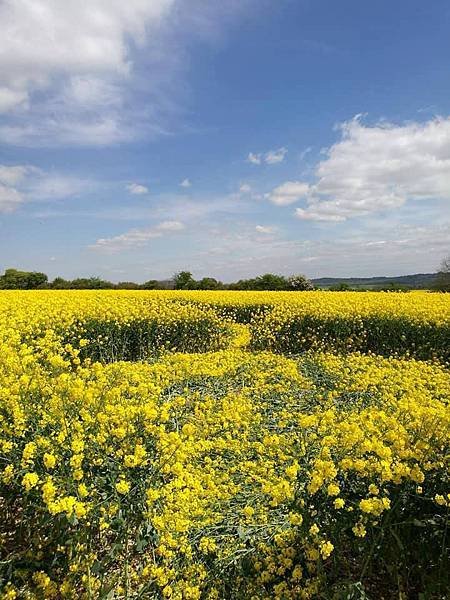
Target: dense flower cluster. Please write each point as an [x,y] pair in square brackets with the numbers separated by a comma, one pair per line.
[215,474]
[113,325]
[132,325]
[416,324]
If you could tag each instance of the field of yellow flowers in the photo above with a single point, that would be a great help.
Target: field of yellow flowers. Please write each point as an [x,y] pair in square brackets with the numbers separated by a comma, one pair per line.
[224,445]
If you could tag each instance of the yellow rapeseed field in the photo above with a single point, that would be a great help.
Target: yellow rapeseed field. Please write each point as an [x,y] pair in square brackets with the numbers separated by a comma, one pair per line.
[223,445]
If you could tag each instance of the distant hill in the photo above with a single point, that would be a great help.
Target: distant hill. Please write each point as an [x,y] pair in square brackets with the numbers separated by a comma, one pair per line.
[417,281]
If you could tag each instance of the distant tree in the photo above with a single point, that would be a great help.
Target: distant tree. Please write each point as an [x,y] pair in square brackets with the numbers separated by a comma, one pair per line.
[209,283]
[22,280]
[299,283]
[127,285]
[242,284]
[269,281]
[37,280]
[340,287]
[152,284]
[392,287]
[60,284]
[184,281]
[90,283]
[442,281]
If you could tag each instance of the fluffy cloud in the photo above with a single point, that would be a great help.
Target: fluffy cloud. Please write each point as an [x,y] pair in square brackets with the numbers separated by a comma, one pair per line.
[72,73]
[45,186]
[64,66]
[289,192]
[255,159]
[320,215]
[10,98]
[245,188]
[264,229]
[10,199]
[46,37]
[376,168]
[11,176]
[136,238]
[186,183]
[137,189]
[275,156]
[272,157]
[21,183]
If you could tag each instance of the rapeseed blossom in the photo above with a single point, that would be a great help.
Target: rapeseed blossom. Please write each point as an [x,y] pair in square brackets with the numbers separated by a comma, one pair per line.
[146,449]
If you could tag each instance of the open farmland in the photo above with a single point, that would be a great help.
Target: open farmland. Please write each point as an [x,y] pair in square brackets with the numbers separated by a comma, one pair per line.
[224,445]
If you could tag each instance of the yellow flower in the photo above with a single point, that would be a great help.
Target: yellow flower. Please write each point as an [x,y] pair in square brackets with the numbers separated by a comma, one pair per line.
[42,579]
[295,518]
[49,460]
[188,430]
[78,474]
[207,544]
[76,461]
[292,471]
[7,474]
[123,487]
[9,593]
[359,530]
[333,489]
[248,511]
[29,451]
[48,491]
[80,509]
[374,506]
[95,385]
[30,480]
[297,573]
[82,490]
[326,548]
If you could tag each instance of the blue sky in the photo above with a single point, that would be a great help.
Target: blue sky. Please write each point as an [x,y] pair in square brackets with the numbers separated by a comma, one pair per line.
[141,138]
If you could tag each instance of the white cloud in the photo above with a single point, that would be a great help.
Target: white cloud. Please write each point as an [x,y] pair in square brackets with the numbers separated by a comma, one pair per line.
[275,156]
[245,188]
[186,183]
[289,192]
[10,199]
[272,157]
[10,98]
[22,183]
[255,159]
[44,38]
[137,189]
[53,186]
[265,229]
[98,72]
[136,238]
[319,215]
[305,152]
[11,176]
[11,181]
[170,226]
[378,168]
[64,67]
[382,248]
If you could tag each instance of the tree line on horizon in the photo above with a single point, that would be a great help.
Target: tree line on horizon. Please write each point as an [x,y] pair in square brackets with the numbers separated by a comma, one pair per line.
[30,280]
